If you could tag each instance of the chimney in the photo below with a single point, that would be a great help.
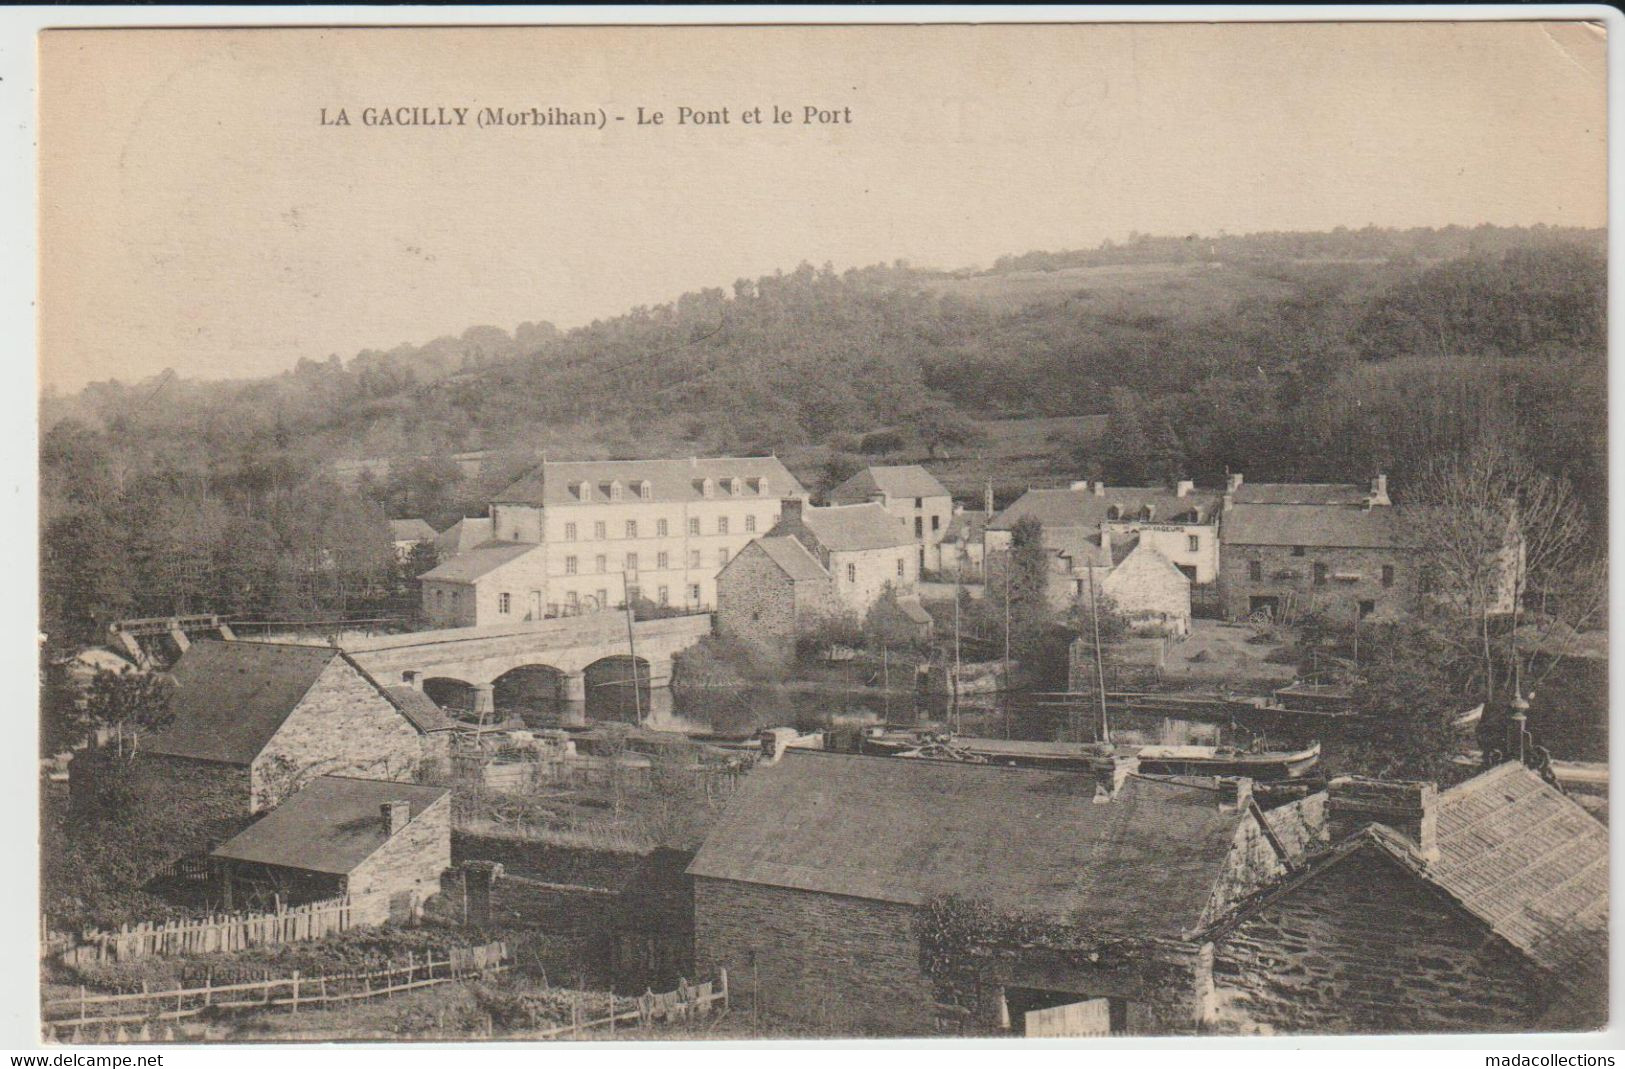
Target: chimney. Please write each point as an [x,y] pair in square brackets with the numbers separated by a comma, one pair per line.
[412,678]
[1081,484]
[395,815]
[790,512]
[1234,793]
[878,497]
[1229,500]
[1379,490]
[1233,481]
[1100,488]
[1111,772]
[1184,488]
[1407,807]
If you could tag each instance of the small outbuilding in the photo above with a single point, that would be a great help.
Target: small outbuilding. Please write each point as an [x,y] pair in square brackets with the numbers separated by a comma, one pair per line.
[383,844]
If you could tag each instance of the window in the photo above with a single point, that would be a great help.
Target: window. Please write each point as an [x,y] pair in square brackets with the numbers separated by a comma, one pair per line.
[1193,542]
[569,566]
[708,488]
[603,563]
[632,562]
[693,558]
[936,523]
[631,528]
[722,525]
[439,598]
[1387,575]
[851,573]
[599,531]
[750,524]
[583,490]
[693,525]
[645,491]
[665,595]
[662,561]
[919,502]
[761,487]
[1255,570]
[694,593]
[504,603]
[733,486]
[662,529]
[1113,512]
[1367,608]
[899,567]
[570,532]
[1297,551]
[603,598]
[1320,574]
[722,557]
[572,603]
[615,490]
[919,527]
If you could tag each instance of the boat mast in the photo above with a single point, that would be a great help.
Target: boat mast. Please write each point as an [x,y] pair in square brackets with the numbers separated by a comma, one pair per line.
[632,646]
[1100,668]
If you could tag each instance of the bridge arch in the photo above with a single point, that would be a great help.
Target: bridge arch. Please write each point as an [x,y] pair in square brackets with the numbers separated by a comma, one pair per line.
[456,696]
[610,686]
[530,686]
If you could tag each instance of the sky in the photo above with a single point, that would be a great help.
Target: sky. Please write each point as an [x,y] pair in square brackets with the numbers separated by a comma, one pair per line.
[197,213]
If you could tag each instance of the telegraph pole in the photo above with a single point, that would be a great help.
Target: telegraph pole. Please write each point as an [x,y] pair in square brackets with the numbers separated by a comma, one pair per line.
[1100,668]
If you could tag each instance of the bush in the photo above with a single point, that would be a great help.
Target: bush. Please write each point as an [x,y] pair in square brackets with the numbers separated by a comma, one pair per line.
[878,442]
[727,662]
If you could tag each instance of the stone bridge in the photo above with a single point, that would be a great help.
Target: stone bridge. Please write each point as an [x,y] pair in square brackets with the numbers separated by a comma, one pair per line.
[559,650]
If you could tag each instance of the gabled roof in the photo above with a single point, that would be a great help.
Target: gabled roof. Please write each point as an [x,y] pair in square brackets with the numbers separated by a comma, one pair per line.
[792,558]
[231,697]
[1299,494]
[966,526]
[1142,559]
[1341,526]
[895,480]
[462,536]
[411,531]
[1085,508]
[331,825]
[560,482]
[850,528]
[1531,863]
[419,708]
[1030,841]
[471,564]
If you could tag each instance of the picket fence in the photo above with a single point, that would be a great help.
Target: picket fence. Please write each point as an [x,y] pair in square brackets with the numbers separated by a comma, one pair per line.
[220,932]
[686,1002]
[85,1017]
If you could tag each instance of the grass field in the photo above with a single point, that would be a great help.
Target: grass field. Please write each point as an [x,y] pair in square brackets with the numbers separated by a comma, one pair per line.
[1175,290]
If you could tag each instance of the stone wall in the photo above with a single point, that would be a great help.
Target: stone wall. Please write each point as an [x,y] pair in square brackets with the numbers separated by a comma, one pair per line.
[1252,864]
[447,604]
[406,870]
[873,569]
[344,726]
[844,965]
[755,599]
[1151,592]
[1281,573]
[1364,946]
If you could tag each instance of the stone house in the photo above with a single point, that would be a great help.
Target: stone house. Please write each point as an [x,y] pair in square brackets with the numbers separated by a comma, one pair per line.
[1154,595]
[824,887]
[409,534]
[1480,908]
[494,583]
[253,721]
[660,530]
[863,548]
[382,843]
[773,589]
[1287,549]
[1182,524]
[963,550]
[911,494]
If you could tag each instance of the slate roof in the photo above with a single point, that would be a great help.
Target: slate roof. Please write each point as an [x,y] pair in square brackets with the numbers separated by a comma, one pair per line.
[1300,494]
[1531,863]
[556,482]
[331,825]
[895,480]
[419,708]
[471,564]
[792,558]
[850,528]
[1085,508]
[411,531]
[966,526]
[1341,526]
[231,697]
[1029,841]
[462,536]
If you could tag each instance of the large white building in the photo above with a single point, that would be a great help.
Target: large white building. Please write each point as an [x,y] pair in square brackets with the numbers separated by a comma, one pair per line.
[912,495]
[599,530]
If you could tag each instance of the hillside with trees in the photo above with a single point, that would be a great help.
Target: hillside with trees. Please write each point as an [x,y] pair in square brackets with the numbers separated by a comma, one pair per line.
[1287,356]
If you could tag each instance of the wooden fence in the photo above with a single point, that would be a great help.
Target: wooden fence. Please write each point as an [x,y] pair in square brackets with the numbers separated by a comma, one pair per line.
[69,1019]
[221,932]
[686,1002]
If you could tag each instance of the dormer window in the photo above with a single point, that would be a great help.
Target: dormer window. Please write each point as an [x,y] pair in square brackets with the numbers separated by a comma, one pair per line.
[761,487]
[1113,512]
[645,491]
[615,490]
[1145,512]
[707,488]
[733,486]
[583,490]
